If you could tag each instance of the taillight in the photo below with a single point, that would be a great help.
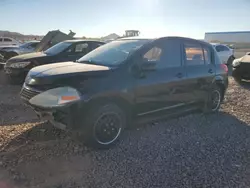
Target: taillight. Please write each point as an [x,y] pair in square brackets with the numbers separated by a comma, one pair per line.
[224,67]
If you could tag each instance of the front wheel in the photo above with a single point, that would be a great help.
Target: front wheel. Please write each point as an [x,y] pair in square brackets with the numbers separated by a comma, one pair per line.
[104,125]
[214,99]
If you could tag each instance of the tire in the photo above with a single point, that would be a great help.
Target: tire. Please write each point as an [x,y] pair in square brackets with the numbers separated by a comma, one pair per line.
[215,94]
[98,129]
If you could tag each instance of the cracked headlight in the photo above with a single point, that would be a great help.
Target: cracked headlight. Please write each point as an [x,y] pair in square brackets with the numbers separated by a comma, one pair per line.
[20,64]
[55,97]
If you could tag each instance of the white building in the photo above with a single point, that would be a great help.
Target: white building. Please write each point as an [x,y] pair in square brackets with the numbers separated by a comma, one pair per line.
[228,37]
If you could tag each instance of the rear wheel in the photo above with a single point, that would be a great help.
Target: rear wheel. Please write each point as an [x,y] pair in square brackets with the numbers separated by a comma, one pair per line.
[214,99]
[104,125]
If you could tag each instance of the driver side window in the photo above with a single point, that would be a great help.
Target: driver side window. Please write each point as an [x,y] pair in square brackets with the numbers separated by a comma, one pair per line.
[153,54]
[78,48]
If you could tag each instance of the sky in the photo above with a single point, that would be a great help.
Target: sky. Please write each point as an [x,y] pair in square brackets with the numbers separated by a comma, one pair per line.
[96,18]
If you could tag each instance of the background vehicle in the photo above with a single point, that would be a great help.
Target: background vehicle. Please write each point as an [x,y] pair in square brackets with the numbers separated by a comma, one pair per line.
[225,53]
[150,78]
[71,50]
[241,68]
[5,41]
[11,51]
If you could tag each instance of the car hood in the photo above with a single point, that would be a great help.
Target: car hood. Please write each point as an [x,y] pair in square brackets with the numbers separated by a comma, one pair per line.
[63,73]
[28,56]
[9,47]
[245,59]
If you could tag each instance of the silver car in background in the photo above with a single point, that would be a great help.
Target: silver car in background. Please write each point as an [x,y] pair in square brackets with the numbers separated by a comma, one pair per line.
[8,52]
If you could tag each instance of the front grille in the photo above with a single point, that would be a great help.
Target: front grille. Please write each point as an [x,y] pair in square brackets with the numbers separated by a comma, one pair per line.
[27,94]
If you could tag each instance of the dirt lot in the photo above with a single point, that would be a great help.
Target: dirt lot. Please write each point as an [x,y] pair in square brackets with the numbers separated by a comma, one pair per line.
[190,151]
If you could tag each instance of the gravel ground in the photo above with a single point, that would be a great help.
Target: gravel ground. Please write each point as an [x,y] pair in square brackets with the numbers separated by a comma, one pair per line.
[190,151]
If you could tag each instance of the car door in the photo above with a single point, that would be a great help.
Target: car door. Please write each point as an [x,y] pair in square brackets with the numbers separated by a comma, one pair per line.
[7,41]
[162,87]
[199,67]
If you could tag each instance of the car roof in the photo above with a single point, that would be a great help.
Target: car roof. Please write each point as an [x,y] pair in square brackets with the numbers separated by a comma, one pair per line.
[164,37]
[82,40]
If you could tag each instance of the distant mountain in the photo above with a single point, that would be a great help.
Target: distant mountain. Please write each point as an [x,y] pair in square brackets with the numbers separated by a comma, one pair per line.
[19,36]
[110,37]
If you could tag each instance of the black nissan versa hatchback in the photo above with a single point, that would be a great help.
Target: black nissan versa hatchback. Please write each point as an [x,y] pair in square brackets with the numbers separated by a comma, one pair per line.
[124,80]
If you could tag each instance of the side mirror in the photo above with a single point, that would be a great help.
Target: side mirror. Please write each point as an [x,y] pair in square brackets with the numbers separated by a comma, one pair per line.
[148,66]
[248,53]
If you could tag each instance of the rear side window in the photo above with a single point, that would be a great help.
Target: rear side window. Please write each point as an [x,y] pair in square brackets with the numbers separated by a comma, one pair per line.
[82,47]
[194,54]
[95,45]
[7,40]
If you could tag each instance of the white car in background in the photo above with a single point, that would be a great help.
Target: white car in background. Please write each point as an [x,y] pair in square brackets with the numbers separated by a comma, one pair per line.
[225,53]
[7,41]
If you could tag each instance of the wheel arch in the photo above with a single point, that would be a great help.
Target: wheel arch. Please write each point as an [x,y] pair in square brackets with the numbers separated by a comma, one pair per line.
[219,81]
[124,102]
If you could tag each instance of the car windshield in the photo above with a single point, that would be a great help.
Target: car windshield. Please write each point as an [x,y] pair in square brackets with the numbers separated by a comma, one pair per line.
[58,48]
[25,45]
[113,53]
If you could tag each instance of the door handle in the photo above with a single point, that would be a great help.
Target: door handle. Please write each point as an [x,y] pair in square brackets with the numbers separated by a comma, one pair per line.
[210,71]
[179,75]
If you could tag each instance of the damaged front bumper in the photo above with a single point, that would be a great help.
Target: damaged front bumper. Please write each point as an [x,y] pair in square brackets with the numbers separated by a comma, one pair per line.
[65,118]
[48,116]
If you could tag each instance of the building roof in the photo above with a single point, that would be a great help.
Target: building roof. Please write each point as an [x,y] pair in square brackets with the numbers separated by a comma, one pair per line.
[229,32]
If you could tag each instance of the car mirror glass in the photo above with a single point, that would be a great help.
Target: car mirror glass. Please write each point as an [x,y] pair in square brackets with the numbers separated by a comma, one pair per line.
[148,66]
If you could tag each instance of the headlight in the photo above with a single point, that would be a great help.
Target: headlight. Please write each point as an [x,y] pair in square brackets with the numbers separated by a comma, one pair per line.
[55,97]
[20,64]
[236,62]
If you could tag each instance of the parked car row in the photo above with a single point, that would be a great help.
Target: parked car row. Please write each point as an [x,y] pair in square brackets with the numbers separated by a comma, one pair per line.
[17,67]
[100,89]
[11,51]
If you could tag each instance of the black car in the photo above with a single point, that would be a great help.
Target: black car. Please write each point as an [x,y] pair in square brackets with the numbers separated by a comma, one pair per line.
[125,80]
[71,50]
[241,68]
